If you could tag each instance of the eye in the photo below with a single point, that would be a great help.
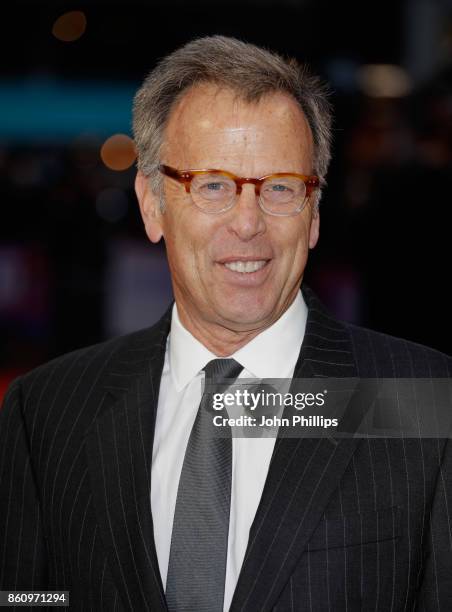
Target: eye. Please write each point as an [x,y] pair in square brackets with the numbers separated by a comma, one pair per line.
[213,186]
[282,190]
[279,187]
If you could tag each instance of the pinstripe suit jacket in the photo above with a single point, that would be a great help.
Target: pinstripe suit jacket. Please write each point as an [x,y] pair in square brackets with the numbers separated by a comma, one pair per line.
[342,524]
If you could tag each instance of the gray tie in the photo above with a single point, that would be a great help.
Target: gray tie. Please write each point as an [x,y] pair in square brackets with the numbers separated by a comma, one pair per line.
[199,541]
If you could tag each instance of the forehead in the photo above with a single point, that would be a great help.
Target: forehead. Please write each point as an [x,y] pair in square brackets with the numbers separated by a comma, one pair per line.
[209,119]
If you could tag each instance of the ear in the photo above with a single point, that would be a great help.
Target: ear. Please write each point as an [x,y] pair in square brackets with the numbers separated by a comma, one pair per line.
[149,208]
[314,229]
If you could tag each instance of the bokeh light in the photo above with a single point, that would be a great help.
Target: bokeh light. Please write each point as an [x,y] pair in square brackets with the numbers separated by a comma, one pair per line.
[118,152]
[70,26]
[384,81]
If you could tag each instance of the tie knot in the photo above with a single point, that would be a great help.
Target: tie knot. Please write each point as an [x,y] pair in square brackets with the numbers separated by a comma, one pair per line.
[222,368]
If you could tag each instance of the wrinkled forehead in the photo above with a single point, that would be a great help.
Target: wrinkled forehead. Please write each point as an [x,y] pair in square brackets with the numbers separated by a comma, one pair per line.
[208,112]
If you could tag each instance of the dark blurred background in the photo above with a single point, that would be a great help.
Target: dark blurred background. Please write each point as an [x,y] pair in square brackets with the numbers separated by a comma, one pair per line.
[75,265]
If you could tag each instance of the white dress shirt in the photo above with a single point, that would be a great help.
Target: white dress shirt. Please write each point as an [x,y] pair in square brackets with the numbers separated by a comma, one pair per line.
[271,354]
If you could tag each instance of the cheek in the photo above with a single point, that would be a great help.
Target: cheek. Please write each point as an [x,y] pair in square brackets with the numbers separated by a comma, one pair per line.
[295,249]
[293,242]
[187,244]
[178,250]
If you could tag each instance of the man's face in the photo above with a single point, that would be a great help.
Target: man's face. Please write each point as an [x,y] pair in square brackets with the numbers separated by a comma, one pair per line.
[211,128]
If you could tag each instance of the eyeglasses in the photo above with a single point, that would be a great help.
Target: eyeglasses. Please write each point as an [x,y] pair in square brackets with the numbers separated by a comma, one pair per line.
[215,191]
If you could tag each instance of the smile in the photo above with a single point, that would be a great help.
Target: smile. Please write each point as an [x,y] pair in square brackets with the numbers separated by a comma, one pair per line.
[246,266]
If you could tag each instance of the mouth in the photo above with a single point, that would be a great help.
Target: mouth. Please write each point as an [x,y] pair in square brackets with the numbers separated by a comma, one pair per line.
[245,271]
[246,267]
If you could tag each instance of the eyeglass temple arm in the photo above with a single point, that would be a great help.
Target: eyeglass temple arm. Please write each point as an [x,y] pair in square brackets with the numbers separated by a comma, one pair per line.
[178,175]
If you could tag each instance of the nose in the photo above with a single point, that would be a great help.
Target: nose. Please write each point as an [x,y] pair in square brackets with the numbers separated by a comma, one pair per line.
[247,220]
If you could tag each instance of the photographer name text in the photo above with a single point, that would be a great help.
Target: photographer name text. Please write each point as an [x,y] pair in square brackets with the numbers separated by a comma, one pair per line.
[274,421]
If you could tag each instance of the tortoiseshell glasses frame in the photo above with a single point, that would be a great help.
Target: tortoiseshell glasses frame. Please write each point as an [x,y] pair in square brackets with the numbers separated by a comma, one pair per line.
[215,191]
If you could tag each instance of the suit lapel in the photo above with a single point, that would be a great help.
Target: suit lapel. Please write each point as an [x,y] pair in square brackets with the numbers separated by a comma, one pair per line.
[302,476]
[119,452]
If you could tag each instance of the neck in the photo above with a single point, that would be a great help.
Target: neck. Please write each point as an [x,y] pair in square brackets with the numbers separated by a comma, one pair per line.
[220,339]
[225,338]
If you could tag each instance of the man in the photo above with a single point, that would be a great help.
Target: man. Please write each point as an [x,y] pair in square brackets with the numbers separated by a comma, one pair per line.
[109,487]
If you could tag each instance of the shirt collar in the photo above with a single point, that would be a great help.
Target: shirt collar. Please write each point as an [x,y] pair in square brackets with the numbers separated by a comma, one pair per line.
[187,356]
[261,357]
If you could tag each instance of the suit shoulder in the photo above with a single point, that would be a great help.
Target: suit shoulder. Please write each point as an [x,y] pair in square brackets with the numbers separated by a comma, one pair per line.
[91,362]
[380,354]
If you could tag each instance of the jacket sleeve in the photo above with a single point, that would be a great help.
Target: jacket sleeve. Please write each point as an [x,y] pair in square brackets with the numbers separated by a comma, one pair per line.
[435,593]
[23,556]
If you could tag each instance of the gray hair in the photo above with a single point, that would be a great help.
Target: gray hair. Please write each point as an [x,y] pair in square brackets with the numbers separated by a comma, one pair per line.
[248,70]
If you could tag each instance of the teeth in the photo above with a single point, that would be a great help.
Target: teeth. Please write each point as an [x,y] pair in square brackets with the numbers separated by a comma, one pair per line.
[245,266]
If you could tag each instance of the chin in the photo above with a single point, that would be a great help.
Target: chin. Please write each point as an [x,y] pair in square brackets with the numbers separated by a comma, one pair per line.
[246,315]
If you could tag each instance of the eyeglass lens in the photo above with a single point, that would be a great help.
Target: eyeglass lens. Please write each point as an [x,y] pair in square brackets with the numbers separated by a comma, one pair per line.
[278,194]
